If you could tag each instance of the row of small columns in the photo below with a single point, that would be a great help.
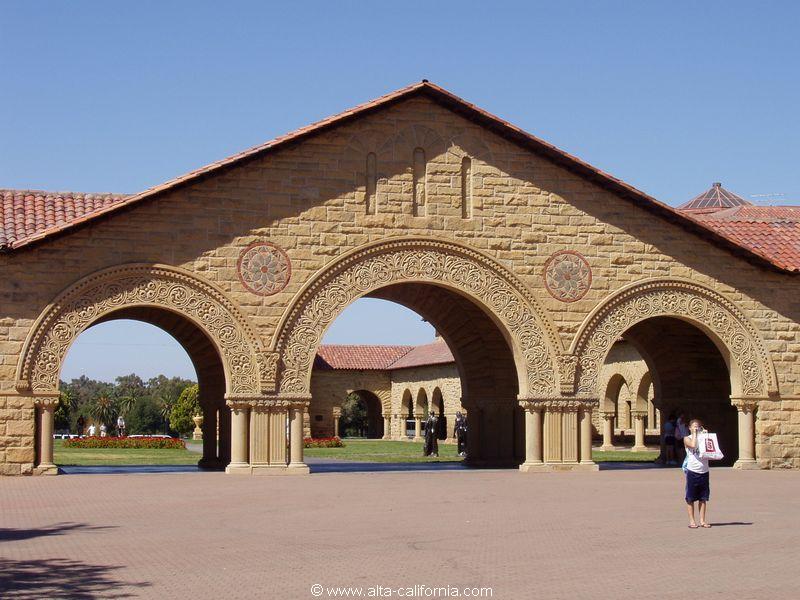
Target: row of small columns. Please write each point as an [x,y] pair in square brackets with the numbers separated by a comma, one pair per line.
[258,436]
[558,434]
[745,408]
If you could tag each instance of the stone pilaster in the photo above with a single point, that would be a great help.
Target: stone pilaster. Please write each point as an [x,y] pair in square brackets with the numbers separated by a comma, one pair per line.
[565,425]
[746,409]
[45,407]
[337,413]
[387,426]
[608,431]
[638,430]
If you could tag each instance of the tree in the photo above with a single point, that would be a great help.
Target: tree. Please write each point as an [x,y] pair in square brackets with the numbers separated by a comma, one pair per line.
[187,406]
[104,411]
[164,409]
[144,417]
[63,411]
[126,403]
[354,416]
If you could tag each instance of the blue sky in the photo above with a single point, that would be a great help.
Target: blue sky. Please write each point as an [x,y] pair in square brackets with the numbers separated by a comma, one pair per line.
[118,96]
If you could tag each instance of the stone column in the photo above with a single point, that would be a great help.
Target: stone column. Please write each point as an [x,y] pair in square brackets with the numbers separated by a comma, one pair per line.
[638,430]
[387,427]
[337,412]
[46,407]
[239,437]
[585,418]
[296,464]
[746,408]
[608,431]
[224,442]
[533,438]
[417,427]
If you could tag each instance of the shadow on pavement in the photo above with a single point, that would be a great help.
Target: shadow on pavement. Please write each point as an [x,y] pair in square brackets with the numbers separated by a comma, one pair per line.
[61,578]
[341,466]
[731,523]
[15,535]
[121,469]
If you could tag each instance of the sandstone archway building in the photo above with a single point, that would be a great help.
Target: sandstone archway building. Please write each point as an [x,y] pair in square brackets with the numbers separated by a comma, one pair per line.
[530,262]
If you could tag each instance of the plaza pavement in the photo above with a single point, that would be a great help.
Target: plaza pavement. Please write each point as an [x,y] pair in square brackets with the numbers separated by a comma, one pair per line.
[613,534]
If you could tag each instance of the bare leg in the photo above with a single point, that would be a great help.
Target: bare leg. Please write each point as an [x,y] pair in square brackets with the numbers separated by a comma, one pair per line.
[703,522]
[690,511]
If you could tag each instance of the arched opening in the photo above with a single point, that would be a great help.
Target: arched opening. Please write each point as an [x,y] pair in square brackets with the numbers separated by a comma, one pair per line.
[407,415]
[362,416]
[689,375]
[146,407]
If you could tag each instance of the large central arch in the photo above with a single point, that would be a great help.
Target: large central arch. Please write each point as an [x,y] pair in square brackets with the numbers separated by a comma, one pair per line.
[529,333]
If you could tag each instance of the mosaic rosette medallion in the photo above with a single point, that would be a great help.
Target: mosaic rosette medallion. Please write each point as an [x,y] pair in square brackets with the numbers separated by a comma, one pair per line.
[264,268]
[567,276]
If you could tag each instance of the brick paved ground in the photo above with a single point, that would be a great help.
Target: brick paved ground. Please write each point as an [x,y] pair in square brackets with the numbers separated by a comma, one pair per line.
[616,534]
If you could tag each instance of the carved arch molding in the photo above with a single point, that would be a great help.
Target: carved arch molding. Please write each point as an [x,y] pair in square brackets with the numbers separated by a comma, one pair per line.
[133,285]
[752,371]
[446,264]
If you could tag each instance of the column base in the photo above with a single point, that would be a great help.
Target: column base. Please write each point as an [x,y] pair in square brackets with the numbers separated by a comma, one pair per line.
[639,449]
[417,439]
[386,437]
[539,467]
[573,466]
[607,448]
[238,469]
[298,469]
[50,469]
[747,464]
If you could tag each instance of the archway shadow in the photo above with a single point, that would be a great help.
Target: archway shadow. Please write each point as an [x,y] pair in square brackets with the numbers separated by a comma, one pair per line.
[730,523]
[63,578]
[127,469]
[16,535]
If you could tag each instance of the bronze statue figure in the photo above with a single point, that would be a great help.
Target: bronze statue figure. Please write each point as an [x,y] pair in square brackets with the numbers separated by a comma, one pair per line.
[431,439]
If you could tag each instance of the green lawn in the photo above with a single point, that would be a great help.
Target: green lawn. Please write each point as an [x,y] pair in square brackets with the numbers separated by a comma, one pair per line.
[624,456]
[120,456]
[384,451]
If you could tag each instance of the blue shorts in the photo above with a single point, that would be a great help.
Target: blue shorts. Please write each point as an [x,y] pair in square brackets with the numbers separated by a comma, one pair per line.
[697,487]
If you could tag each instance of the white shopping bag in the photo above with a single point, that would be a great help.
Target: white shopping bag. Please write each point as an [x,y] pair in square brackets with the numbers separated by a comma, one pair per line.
[708,446]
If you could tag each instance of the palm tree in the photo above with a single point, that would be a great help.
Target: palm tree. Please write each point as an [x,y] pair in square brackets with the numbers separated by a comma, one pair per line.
[165,410]
[103,410]
[126,404]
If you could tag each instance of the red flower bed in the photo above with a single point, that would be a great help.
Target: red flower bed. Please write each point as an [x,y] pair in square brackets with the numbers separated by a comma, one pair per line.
[126,442]
[329,442]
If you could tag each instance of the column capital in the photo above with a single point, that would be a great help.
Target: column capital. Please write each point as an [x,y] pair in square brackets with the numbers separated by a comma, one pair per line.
[559,404]
[46,401]
[746,405]
[608,416]
[268,401]
[639,414]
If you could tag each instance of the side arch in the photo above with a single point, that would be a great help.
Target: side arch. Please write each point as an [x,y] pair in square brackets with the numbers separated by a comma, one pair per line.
[751,370]
[531,336]
[134,285]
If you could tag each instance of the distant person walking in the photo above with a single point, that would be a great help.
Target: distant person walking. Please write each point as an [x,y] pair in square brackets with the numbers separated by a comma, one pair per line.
[669,440]
[681,431]
[698,488]
[120,426]
[103,430]
[92,430]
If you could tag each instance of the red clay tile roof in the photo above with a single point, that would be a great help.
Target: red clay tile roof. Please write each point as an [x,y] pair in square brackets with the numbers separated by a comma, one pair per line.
[772,230]
[381,358]
[457,105]
[361,358]
[715,198]
[435,353]
[24,213]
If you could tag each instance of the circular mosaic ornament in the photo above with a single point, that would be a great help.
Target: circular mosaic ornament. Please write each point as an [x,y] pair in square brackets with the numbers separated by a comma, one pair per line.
[567,276]
[264,268]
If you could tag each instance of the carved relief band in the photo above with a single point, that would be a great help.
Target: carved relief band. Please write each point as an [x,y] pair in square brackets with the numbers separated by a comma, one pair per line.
[107,291]
[532,337]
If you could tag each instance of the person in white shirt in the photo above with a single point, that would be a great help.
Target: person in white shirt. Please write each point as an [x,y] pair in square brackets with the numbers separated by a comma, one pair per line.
[697,481]
[91,431]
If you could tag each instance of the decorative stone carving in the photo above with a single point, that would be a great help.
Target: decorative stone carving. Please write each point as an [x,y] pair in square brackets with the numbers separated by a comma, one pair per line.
[682,299]
[418,260]
[264,268]
[268,366]
[567,365]
[745,405]
[567,276]
[107,291]
[559,404]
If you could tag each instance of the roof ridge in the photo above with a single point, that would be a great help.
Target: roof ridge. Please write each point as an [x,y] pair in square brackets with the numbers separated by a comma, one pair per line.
[61,192]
